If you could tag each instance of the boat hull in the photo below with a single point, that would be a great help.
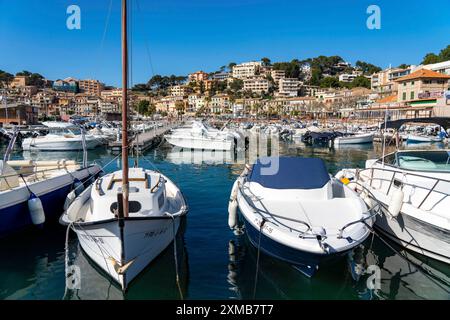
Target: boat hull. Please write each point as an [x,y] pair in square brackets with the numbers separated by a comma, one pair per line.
[306,262]
[31,144]
[416,235]
[421,139]
[14,212]
[199,143]
[357,139]
[143,241]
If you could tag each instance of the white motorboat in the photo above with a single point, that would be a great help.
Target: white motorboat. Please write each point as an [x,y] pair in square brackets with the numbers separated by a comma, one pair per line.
[68,139]
[126,218]
[199,136]
[124,246]
[294,211]
[412,138]
[413,188]
[359,138]
[25,182]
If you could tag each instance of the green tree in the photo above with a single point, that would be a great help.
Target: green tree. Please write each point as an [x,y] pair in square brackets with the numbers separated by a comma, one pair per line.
[265,62]
[367,68]
[444,55]
[430,58]
[180,107]
[231,65]
[236,85]
[361,82]
[404,66]
[142,107]
[5,78]
[140,87]
[330,82]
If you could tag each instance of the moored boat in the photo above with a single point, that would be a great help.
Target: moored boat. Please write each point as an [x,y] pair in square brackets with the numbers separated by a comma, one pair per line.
[293,211]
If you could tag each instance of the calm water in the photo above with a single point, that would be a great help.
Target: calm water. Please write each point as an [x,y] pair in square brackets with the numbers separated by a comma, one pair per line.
[214,263]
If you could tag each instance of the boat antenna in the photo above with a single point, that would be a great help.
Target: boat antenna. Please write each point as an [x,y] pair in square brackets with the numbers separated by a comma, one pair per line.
[124,109]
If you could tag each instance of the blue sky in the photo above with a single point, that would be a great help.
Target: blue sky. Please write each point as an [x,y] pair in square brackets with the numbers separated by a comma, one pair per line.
[189,35]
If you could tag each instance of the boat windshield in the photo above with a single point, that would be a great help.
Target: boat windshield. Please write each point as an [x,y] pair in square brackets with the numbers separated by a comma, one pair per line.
[65,131]
[424,160]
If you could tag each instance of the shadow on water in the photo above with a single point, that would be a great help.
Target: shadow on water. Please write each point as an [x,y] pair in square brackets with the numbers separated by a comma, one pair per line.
[349,278]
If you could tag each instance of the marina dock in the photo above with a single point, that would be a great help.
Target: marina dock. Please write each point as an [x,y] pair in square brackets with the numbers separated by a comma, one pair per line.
[145,139]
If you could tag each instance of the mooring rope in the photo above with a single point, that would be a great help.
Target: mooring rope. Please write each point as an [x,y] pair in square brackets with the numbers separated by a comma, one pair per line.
[175,254]
[263,221]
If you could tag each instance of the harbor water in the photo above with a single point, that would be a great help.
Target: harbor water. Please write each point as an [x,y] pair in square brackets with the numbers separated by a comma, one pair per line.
[214,262]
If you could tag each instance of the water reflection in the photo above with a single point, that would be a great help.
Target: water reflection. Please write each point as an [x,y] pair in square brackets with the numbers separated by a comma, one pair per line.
[346,279]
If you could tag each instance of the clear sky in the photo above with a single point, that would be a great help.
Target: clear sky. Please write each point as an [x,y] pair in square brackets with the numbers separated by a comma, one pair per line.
[188,35]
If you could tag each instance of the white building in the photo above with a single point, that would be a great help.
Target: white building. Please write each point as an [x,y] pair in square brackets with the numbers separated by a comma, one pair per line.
[257,85]
[288,87]
[277,75]
[177,91]
[196,102]
[441,67]
[246,70]
[347,77]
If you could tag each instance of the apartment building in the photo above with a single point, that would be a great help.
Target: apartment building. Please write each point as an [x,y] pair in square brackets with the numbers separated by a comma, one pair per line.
[198,76]
[19,82]
[91,87]
[87,105]
[277,75]
[66,85]
[178,91]
[441,67]
[114,95]
[168,104]
[288,87]
[256,85]
[220,103]
[246,70]
[220,76]
[195,102]
[347,77]
[422,87]
[384,82]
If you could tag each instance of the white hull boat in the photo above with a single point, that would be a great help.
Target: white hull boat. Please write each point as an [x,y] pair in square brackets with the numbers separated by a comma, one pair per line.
[156,206]
[419,139]
[50,182]
[354,139]
[297,213]
[59,143]
[413,188]
[203,138]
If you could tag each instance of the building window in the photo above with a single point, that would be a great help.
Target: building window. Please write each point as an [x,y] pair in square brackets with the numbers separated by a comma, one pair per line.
[412,83]
[404,84]
[404,95]
[412,95]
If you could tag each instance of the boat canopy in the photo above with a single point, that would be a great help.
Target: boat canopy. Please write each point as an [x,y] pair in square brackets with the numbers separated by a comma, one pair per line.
[396,124]
[290,173]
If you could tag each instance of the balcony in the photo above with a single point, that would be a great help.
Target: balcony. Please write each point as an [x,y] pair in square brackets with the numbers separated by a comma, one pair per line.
[431,95]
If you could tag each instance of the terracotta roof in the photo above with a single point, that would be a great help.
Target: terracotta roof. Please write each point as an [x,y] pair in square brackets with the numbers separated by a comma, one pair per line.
[423,73]
[388,99]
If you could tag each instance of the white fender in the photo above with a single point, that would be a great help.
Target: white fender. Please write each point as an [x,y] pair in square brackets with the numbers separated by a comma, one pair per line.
[396,203]
[36,209]
[69,199]
[232,207]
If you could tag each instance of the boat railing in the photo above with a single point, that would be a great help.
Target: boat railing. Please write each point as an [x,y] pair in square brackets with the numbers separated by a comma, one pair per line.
[36,174]
[404,182]
[302,233]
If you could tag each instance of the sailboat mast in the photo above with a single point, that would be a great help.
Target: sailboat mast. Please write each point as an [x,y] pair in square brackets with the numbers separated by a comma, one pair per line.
[124,109]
